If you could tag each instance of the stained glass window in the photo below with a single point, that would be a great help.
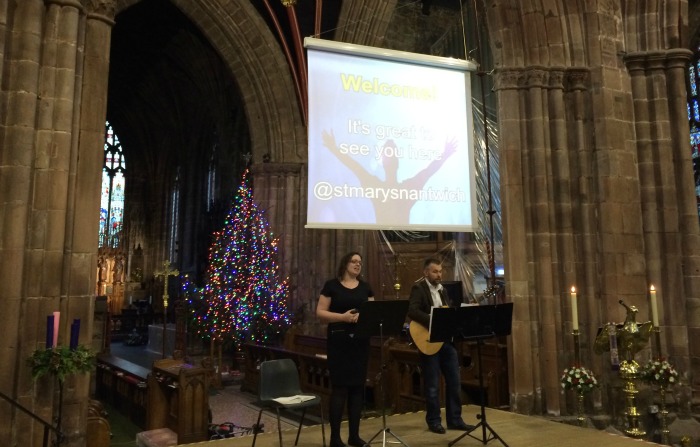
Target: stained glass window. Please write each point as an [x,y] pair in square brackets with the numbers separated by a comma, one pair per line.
[211,180]
[694,118]
[113,183]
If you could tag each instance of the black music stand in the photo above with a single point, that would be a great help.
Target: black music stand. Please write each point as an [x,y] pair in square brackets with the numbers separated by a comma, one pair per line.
[382,318]
[473,323]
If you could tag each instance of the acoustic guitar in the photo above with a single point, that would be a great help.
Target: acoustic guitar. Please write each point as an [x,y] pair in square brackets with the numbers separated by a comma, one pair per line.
[421,336]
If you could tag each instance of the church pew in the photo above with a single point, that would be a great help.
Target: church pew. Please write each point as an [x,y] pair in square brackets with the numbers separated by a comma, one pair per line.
[123,385]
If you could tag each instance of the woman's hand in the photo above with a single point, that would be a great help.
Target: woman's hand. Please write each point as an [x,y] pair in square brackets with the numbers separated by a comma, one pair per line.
[352,316]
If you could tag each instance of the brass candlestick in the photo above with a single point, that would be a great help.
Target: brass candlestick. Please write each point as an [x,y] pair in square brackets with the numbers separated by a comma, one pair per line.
[657,339]
[577,349]
[663,413]
[581,418]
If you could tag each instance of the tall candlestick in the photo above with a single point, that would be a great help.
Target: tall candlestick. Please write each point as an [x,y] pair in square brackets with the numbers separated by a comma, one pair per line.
[574,309]
[654,310]
[56,325]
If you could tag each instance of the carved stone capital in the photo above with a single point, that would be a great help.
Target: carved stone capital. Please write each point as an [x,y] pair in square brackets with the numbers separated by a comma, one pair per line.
[70,3]
[657,60]
[577,79]
[507,79]
[556,78]
[101,9]
[536,77]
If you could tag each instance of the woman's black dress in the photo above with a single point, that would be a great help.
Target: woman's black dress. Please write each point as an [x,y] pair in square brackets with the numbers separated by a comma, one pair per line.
[347,354]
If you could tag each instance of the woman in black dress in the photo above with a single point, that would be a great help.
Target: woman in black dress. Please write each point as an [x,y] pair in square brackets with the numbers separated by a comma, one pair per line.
[340,299]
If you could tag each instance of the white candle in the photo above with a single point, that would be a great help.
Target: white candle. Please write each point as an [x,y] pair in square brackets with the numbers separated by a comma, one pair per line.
[574,309]
[654,310]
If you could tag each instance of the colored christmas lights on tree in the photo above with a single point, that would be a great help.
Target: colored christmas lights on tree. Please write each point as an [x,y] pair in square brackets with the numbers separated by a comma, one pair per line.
[244,298]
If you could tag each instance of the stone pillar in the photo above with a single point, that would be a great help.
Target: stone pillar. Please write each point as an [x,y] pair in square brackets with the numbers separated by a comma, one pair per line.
[524,385]
[670,212]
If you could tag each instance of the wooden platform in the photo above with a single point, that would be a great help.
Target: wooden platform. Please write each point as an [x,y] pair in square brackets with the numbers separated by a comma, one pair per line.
[515,430]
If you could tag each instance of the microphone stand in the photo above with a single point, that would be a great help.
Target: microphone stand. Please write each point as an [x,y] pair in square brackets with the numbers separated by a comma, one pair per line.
[491,435]
[384,430]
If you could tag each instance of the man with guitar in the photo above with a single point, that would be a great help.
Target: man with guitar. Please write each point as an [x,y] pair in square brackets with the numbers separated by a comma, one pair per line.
[436,358]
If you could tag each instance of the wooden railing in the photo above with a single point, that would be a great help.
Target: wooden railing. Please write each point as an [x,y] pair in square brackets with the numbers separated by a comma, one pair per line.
[404,382]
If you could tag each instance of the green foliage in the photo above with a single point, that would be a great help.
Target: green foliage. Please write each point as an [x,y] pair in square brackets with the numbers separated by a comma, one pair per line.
[61,361]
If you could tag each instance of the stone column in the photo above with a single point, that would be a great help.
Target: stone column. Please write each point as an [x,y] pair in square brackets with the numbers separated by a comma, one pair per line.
[87,132]
[20,73]
[668,196]
[514,214]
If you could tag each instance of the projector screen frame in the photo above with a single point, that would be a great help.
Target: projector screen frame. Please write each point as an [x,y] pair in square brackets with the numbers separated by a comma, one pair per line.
[464,67]
[312,43]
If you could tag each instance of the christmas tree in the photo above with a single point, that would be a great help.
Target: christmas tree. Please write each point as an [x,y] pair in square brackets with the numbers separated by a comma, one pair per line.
[244,297]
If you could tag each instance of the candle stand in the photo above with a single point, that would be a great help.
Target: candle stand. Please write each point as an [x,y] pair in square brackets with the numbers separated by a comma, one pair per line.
[580,408]
[581,417]
[657,339]
[663,414]
[577,349]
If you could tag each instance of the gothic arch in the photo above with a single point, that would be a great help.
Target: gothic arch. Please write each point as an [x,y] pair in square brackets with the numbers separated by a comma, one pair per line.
[653,26]
[536,36]
[249,49]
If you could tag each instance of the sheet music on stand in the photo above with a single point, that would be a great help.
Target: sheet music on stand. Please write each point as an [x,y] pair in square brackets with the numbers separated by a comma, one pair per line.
[479,323]
[466,322]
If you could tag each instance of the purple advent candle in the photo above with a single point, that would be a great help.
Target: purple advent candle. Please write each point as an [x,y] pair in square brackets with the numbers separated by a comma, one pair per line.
[49,331]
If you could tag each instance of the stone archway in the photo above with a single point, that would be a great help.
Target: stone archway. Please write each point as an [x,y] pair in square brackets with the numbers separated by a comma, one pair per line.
[580,134]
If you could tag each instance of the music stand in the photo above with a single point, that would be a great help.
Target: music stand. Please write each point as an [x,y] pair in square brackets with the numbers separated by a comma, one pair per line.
[479,323]
[380,318]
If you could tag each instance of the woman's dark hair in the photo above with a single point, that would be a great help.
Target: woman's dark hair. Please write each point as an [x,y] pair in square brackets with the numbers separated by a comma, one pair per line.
[344,261]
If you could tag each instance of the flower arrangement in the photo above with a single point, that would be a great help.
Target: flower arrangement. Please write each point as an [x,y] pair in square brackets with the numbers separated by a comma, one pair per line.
[659,372]
[579,379]
[61,361]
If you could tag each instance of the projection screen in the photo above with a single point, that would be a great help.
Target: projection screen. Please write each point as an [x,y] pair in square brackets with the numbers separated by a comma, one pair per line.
[390,140]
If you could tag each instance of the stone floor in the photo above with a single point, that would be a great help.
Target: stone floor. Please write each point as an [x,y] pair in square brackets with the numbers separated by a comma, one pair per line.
[228,404]
[231,406]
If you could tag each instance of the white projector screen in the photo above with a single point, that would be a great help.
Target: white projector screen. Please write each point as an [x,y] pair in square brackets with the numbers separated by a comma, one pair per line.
[390,140]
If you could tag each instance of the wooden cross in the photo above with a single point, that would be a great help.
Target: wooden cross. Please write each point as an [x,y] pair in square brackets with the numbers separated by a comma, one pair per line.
[165,273]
